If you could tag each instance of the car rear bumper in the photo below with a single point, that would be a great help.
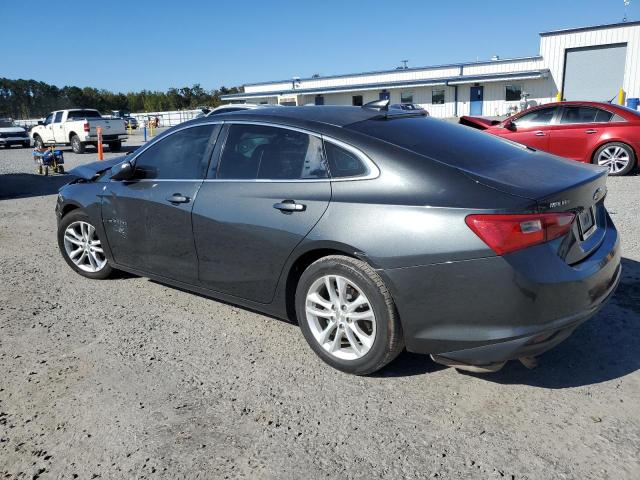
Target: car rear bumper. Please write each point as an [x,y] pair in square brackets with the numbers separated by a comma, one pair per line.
[495,309]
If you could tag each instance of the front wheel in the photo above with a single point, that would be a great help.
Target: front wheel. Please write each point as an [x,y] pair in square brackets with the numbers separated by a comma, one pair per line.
[618,157]
[347,315]
[81,247]
[38,143]
[77,145]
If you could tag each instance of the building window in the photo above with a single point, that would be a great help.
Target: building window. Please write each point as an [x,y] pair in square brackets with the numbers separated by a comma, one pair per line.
[513,93]
[437,97]
[406,97]
[356,100]
[319,100]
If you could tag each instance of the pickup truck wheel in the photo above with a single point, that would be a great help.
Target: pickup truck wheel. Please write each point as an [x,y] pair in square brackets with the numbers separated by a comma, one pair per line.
[77,145]
[38,143]
[115,146]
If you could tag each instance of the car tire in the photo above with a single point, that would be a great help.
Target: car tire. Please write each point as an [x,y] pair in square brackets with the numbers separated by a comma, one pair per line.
[76,240]
[77,145]
[369,340]
[115,146]
[37,142]
[26,144]
[619,157]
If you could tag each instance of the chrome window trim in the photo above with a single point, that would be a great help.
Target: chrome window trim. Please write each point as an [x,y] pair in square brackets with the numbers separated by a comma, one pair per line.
[372,169]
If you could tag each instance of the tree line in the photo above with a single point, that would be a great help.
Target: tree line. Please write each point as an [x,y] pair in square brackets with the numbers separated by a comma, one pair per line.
[22,99]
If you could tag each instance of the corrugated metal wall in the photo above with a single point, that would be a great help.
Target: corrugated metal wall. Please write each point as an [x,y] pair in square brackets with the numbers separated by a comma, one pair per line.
[552,48]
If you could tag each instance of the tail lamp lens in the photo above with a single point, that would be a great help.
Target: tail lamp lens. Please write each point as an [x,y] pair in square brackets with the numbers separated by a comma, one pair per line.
[86,126]
[508,233]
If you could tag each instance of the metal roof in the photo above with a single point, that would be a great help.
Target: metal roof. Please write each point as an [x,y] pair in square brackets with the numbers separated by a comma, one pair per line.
[592,27]
[455,80]
[410,69]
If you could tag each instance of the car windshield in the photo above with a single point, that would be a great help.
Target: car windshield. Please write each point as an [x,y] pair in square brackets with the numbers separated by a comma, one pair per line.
[467,148]
[4,123]
[628,109]
[81,114]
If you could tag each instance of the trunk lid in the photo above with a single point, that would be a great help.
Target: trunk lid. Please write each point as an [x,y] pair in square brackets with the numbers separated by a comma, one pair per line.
[557,185]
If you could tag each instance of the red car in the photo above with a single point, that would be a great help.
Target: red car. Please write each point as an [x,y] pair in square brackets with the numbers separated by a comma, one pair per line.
[590,132]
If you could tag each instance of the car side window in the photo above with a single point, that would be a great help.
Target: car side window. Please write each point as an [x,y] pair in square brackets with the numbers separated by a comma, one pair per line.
[271,153]
[540,117]
[179,156]
[48,120]
[583,114]
[343,163]
[58,117]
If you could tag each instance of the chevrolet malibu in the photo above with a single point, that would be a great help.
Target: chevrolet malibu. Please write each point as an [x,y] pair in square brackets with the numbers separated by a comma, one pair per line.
[375,229]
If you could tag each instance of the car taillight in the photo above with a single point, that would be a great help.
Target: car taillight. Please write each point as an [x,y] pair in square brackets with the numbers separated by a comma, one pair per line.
[508,233]
[86,126]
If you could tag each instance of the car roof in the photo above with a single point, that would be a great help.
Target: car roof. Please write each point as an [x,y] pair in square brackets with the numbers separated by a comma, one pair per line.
[338,116]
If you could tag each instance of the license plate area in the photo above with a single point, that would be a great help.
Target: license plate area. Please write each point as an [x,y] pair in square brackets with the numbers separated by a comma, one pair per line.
[587,223]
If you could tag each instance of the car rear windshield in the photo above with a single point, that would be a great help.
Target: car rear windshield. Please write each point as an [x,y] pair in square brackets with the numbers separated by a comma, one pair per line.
[455,145]
[81,114]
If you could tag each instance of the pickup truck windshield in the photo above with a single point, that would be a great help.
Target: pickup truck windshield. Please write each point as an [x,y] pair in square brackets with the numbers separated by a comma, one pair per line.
[82,114]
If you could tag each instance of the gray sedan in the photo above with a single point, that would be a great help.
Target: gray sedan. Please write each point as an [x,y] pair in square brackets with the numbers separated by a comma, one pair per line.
[375,229]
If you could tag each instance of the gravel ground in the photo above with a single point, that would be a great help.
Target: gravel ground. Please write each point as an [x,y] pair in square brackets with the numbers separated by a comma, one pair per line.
[127,378]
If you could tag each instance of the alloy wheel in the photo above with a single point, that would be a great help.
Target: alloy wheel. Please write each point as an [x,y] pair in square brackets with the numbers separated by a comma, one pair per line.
[340,317]
[83,247]
[614,157]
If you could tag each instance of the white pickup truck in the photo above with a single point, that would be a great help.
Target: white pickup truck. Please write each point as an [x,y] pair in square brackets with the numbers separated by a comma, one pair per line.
[77,127]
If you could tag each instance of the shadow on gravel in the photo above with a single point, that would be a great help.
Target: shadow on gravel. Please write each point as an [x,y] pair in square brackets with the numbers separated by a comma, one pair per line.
[24,185]
[604,348]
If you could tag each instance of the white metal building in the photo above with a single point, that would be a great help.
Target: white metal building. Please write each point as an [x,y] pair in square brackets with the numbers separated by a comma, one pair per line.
[589,63]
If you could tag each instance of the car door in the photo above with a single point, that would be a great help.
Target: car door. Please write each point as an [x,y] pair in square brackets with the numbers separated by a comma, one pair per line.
[148,219]
[531,128]
[579,131]
[268,190]
[46,132]
[57,128]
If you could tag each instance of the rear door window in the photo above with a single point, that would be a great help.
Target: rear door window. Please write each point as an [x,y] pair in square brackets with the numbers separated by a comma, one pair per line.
[271,153]
[583,114]
[179,156]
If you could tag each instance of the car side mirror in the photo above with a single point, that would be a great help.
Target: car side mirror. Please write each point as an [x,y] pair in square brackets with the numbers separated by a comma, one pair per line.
[510,125]
[122,171]
[40,122]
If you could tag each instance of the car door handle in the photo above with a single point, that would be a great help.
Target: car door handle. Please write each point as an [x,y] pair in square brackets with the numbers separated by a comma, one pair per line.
[591,130]
[178,198]
[289,206]
[540,133]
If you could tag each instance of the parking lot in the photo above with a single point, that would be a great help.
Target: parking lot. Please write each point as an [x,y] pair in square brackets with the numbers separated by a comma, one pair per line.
[127,378]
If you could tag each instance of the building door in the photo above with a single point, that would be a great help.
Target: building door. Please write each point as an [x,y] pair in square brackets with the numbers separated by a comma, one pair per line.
[594,73]
[476,96]
[384,95]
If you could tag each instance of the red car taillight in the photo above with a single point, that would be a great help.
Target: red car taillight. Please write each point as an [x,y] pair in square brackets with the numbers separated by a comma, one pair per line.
[86,126]
[508,233]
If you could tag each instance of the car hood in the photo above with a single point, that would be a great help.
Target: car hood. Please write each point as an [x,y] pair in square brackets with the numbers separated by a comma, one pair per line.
[478,122]
[12,130]
[90,170]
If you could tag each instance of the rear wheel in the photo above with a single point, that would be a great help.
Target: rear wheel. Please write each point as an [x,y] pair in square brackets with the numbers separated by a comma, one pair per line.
[81,247]
[76,144]
[347,315]
[618,157]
